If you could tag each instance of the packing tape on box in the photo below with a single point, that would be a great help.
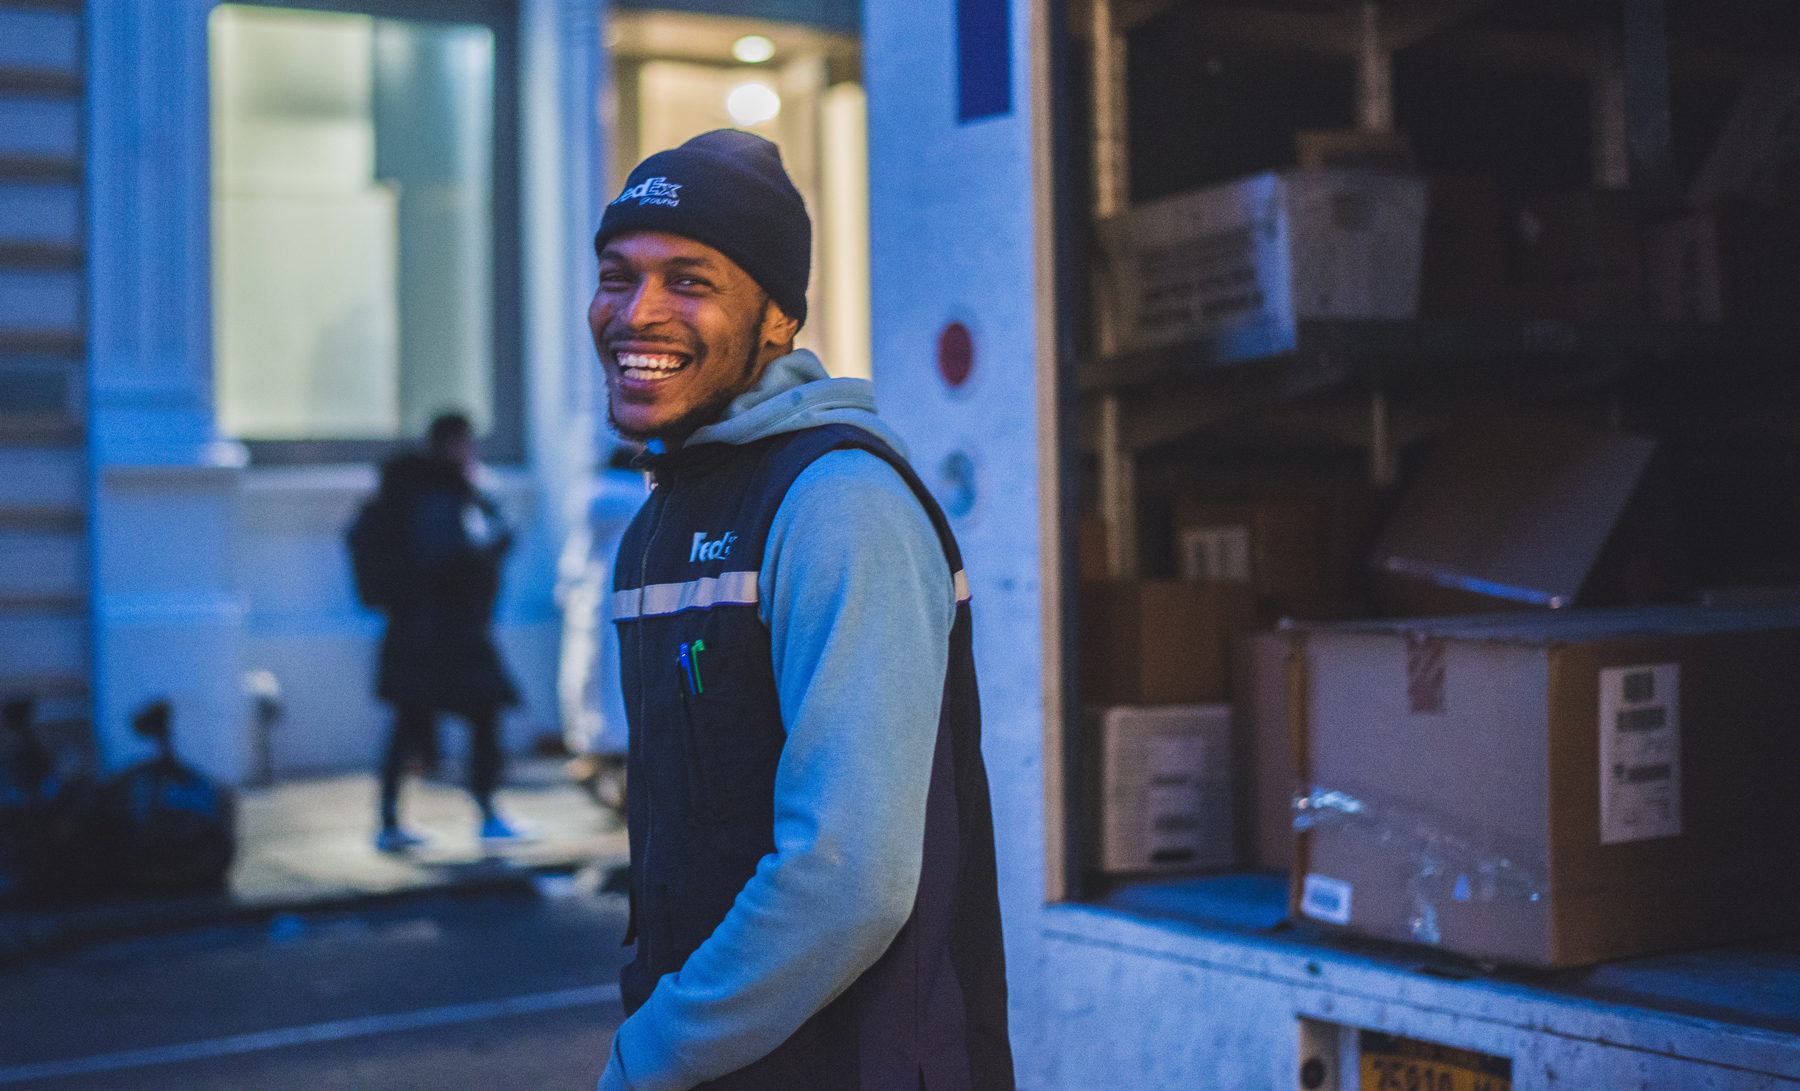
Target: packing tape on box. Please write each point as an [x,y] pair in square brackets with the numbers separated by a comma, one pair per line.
[1445,866]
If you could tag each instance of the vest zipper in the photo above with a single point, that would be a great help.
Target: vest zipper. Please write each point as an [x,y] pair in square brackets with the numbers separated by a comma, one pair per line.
[659,498]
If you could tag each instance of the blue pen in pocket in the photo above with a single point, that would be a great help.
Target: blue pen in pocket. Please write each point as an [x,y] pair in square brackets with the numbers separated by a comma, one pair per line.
[688,655]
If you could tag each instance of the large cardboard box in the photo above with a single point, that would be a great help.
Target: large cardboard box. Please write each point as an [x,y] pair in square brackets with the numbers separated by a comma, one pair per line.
[1553,789]
[1165,788]
[1268,773]
[1507,513]
[1300,547]
[1234,268]
[1158,642]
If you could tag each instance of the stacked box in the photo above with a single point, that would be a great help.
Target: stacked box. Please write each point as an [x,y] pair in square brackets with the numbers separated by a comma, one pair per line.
[1553,789]
[1159,642]
[1234,268]
[1302,549]
[1165,779]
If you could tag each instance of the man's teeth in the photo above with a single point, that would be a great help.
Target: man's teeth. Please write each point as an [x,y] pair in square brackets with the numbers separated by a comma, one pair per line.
[644,365]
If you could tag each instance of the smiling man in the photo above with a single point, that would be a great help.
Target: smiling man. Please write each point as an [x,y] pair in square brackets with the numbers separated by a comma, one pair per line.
[813,891]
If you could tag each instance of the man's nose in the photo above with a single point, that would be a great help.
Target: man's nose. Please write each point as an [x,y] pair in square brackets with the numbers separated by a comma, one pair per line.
[646,306]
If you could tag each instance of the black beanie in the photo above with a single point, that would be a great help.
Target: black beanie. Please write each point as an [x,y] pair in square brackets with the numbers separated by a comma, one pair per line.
[727,189]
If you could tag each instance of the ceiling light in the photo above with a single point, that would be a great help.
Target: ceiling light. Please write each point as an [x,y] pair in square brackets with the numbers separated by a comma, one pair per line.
[752,104]
[753,49]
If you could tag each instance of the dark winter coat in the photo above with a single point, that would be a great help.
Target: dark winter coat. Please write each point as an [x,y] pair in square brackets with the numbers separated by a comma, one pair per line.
[439,648]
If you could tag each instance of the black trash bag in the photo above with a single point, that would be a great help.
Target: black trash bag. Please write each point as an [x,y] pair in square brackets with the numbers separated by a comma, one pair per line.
[173,829]
[25,784]
[77,858]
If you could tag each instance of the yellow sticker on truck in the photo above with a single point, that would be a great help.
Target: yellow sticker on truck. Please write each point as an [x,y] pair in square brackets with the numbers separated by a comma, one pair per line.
[1390,1063]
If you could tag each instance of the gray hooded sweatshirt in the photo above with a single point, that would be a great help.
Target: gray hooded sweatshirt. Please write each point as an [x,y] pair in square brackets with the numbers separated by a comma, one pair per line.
[859,602]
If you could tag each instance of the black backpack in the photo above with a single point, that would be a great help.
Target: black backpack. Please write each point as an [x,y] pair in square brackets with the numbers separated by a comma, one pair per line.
[377,541]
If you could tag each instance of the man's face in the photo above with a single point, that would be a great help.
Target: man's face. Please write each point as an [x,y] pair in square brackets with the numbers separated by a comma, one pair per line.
[681,331]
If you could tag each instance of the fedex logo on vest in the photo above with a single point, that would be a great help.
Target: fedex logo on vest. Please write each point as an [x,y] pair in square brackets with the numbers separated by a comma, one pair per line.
[715,550]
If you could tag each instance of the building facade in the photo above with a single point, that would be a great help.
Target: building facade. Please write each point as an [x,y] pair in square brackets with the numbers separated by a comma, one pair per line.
[171,539]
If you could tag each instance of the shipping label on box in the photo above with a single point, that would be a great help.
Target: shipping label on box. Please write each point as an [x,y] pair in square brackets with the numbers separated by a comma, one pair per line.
[1326,899]
[1216,553]
[1175,801]
[1210,265]
[1640,753]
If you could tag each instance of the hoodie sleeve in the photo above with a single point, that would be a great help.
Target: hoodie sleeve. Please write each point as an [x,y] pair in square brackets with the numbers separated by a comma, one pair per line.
[858,598]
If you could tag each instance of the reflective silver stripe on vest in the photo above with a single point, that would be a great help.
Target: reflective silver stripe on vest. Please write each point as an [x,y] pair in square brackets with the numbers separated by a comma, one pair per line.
[725,589]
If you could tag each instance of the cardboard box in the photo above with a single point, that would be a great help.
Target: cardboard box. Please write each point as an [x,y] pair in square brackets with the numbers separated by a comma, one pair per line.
[1158,642]
[1234,268]
[1090,548]
[1302,548]
[1507,513]
[1165,776]
[1268,774]
[1577,257]
[1274,545]
[1553,789]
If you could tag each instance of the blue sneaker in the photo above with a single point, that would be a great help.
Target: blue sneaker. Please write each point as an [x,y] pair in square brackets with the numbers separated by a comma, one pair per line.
[497,830]
[398,839]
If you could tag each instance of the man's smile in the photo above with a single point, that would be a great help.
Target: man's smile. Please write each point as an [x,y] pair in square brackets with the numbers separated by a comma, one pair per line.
[647,366]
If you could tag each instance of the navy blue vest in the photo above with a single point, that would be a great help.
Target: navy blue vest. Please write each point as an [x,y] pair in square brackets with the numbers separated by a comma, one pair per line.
[706,735]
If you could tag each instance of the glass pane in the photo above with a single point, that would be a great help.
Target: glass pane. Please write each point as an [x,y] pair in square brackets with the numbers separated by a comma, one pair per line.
[352,223]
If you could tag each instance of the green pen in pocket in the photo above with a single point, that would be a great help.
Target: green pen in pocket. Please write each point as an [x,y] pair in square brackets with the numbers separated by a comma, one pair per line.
[689,655]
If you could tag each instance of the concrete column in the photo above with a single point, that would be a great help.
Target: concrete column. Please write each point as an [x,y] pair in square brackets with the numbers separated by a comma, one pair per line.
[167,617]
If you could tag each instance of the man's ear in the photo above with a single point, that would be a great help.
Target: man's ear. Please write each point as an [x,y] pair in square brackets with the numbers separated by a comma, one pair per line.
[777,327]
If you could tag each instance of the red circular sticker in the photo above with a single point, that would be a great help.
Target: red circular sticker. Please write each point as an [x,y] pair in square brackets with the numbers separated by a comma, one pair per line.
[956,354]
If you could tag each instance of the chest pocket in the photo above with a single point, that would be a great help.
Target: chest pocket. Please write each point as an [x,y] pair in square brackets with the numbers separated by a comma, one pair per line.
[733,745]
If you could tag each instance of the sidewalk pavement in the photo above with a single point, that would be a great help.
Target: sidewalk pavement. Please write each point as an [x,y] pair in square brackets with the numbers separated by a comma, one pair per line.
[308,845]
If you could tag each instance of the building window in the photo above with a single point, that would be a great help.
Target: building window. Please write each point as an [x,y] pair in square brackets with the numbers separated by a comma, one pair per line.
[363,223]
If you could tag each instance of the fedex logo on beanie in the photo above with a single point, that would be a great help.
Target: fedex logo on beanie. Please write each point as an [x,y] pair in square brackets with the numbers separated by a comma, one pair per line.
[652,191]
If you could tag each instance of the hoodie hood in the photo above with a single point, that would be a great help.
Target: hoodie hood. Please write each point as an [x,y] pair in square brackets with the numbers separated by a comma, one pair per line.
[795,393]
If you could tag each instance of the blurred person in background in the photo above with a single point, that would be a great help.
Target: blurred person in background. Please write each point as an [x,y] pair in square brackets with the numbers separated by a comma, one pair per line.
[443,542]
